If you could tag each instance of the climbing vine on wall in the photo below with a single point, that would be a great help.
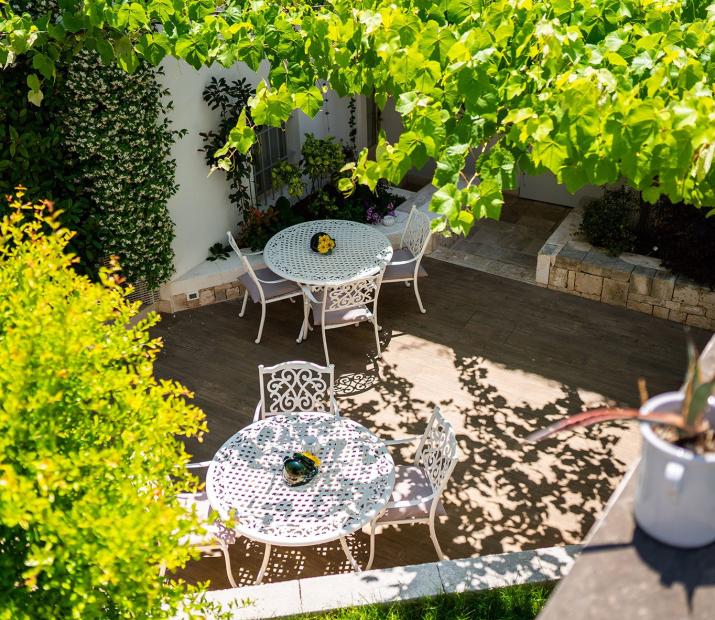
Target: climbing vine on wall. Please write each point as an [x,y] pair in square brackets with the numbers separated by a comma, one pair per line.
[229,99]
[117,137]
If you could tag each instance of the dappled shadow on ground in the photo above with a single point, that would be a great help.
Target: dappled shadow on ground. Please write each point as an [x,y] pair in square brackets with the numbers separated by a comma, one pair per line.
[500,358]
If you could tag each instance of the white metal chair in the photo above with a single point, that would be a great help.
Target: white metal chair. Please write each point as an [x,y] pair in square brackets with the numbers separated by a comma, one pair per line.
[405,265]
[262,285]
[296,386]
[214,535]
[338,305]
[418,487]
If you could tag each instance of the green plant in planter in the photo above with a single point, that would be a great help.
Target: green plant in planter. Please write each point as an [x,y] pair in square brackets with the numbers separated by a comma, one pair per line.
[322,158]
[219,251]
[688,427]
[284,173]
[608,222]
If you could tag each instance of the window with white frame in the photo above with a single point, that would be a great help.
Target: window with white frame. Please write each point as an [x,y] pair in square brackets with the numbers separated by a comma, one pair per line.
[269,149]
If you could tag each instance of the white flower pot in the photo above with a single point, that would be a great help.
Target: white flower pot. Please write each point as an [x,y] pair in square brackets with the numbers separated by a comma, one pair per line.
[388,220]
[675,497]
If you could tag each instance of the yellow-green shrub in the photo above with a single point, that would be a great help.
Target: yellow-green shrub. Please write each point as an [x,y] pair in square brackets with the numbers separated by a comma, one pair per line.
[90,459]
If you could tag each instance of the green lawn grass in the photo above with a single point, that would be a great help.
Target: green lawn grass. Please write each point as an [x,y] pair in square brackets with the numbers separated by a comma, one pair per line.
[515,603]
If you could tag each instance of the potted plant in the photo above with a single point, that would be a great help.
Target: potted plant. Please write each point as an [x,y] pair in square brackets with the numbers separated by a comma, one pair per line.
[675,497]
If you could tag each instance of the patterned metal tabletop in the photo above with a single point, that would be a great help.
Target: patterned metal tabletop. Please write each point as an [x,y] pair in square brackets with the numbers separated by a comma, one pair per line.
[360,251]
[355,481]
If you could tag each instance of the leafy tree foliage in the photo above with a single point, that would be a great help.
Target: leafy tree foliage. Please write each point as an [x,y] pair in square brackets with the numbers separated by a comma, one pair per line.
[90,460]
[591,91]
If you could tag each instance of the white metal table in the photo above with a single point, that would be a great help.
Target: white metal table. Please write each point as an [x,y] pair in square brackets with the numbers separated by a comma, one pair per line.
[355,481]
[360,251]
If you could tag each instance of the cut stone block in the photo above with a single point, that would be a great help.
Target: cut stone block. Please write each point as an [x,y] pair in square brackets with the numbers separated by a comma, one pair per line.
[233,292]
[708,298]
[179,302]
[660,312]
[695,310]
[571,280]
[673,305]
[614,292]
[270,600]
[698,321]
[642,280]
[678,317]
[686,292]
[598,263]
[663,285]
[589,284]
[569,257]
[543,267]
[206,296]
[556,562]
[640,307]
[379,586]
[558,277]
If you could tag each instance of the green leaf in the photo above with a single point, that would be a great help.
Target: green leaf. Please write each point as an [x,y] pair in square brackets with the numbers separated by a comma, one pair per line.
[447,201]
[44,65]
[310,101]
[33,82]
[241,137]
[35,97]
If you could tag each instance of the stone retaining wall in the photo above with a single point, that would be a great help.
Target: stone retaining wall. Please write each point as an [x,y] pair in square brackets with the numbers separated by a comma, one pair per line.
[568,264]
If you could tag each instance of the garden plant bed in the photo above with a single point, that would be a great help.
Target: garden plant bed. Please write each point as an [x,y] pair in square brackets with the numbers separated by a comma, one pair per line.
[569,264]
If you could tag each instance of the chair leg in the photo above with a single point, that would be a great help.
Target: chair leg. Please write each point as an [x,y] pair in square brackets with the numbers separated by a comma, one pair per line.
[435,542]
[229,572]
[243,307]
[419,299]
[266,556]
[377,336]
[263,320]
[372,546]
[325,346]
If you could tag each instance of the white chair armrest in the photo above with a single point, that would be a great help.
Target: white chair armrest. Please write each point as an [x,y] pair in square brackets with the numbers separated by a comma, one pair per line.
[257,413]
[279,280]
[198,465]
[404,440]
[402,262]
[334,403]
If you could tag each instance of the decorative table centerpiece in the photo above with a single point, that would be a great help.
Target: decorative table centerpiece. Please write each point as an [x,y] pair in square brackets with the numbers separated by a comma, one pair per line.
[322,243]
[300,468]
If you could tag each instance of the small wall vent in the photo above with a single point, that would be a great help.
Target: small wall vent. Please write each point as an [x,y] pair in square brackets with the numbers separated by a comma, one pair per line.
[192,295]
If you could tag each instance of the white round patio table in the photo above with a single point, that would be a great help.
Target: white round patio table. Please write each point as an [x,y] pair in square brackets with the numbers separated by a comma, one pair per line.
[355,480]
[360,251]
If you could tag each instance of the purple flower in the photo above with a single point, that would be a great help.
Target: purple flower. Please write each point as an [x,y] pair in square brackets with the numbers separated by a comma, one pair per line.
[372,216]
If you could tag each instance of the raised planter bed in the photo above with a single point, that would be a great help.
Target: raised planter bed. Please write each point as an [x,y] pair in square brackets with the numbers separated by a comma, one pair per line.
[216,281]
[569,264]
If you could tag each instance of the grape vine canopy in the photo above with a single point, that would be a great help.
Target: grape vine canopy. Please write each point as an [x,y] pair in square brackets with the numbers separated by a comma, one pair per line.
[593,91]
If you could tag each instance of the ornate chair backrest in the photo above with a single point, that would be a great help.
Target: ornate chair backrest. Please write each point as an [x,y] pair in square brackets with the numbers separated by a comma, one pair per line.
[437,452]
[292,387]
[244,260]
[417,232]
[352,294]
